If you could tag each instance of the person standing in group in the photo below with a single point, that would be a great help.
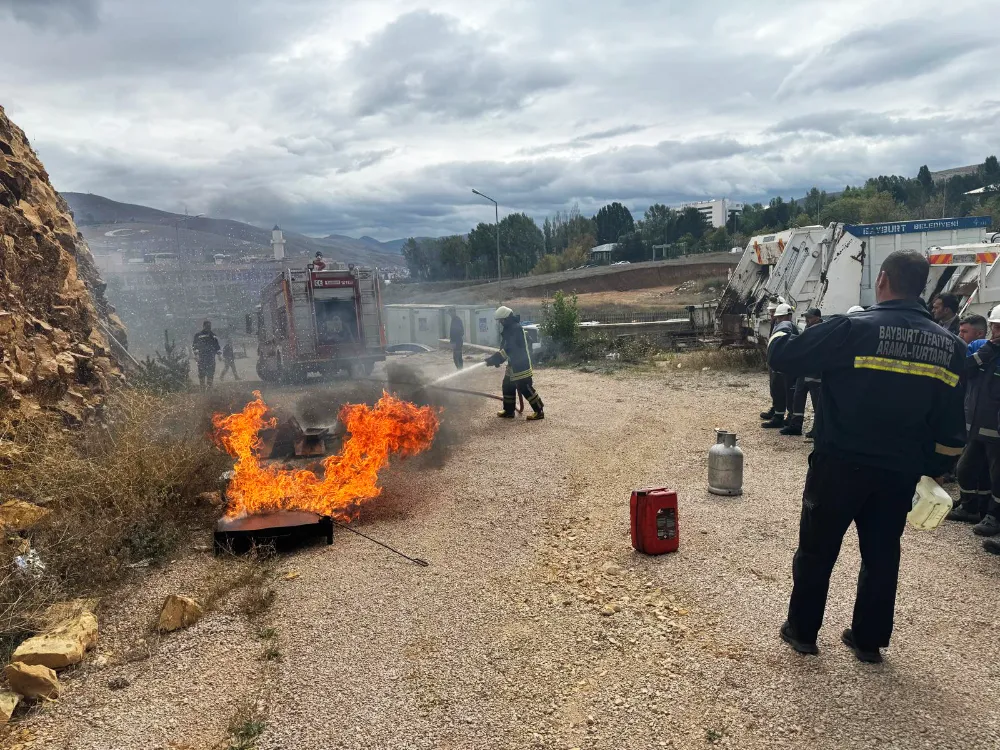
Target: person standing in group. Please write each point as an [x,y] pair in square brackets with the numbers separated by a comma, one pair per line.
[206,348]
[229,360]
[892,411]
[972,328]
[515,351]
[944,308]
[456,335]
[782,386]
[978,469]
[806,385]
[318,263]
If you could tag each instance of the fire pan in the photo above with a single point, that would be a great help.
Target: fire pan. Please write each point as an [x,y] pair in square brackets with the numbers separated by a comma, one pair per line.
[287,527]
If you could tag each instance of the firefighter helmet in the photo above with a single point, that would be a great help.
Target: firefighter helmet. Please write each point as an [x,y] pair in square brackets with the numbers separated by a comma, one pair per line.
[503,312]
[854,309]
[994,315]
[783,309]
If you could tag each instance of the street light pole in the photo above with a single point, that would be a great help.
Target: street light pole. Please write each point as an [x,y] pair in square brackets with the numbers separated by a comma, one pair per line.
[496,208]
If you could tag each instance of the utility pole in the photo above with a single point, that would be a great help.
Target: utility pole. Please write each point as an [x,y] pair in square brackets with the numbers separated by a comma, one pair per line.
[496,207]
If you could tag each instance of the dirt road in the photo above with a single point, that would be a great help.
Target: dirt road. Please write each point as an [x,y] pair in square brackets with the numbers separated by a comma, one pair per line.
[536,625]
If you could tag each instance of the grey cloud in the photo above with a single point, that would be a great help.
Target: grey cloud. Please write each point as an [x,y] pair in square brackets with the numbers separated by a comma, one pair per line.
[898,51]
[365,160]
[60,14]
[426,62]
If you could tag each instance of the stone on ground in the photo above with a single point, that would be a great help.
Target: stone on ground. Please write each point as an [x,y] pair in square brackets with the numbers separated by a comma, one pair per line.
[52,651]
[17,515]
[8,702]
[178,612]
[32,681]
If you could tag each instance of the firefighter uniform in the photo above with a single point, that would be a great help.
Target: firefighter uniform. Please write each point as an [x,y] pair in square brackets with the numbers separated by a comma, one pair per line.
[206,348]
[514,350]
[892,412]
[978,469]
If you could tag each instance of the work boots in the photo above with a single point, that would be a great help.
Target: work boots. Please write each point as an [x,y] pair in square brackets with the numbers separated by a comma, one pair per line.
[769,414]
[966,512]
[535,416]
[992,546]
[505,415]
[794,427]
[989,526]
[778,420]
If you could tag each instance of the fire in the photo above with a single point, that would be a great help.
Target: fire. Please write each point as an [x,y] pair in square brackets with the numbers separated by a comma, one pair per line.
[349,478]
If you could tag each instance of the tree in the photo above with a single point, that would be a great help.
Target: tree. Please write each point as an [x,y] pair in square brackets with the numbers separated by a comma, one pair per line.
[925,180]
[416,260]
[989,171]
[882,207]
[547,234]
[847,210]
[631,247]
[611,222]
[482,244]
[454,256]
[718,240]
[522,243]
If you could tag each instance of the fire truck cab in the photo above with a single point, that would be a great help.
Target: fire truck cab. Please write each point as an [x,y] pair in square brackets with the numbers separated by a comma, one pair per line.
[319,321]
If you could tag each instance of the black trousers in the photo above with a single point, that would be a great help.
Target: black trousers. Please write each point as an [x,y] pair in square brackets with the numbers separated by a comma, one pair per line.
[206,371]
[512,387]
[978,474]
[838,492]
[782,392]
[805,388]
[456,353]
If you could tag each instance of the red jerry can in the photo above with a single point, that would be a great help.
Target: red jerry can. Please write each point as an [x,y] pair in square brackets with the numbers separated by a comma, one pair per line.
[654,520]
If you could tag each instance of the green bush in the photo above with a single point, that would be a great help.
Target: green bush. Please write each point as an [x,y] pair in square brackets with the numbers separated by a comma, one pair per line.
[561,322]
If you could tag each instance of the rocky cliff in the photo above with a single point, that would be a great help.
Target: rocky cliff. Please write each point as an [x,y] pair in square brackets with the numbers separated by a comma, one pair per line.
[54,349]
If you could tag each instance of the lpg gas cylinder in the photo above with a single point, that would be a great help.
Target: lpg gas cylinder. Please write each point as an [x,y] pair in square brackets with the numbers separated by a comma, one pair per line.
[725,465]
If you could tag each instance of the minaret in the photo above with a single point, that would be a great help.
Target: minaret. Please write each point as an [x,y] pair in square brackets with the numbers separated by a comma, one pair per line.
[278,243]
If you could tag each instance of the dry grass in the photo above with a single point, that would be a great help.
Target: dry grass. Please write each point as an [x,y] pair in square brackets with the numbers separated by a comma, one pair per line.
[246,726]
[732,360]
[120,492]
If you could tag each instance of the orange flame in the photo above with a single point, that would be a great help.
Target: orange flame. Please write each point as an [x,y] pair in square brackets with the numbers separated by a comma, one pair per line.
[350,478]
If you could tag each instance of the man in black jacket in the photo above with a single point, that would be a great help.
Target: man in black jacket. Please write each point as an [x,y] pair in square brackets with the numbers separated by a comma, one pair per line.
[806,385]
[456,334]
[782,385]
[978,469]
[515,352]
[892,411]
[206,348]
[945,310]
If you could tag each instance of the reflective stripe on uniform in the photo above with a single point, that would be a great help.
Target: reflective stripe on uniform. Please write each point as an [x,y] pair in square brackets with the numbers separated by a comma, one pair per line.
[813,380]
[905,367]
[521,375]
[777,335]
[975,356]
[987,432]
[973,492]
[947,450]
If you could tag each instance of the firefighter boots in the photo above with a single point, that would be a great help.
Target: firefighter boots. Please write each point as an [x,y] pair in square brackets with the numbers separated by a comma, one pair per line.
[967,512]
[536,415]
[992,546]
[505,415]
[778,420]
[989,526]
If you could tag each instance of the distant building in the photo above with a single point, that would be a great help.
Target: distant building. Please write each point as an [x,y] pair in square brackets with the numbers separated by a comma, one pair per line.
[602,253]
[278,243]
[717,212]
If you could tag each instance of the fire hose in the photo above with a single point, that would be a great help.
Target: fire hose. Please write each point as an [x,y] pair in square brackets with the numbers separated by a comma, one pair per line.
[464,391]
[422,563]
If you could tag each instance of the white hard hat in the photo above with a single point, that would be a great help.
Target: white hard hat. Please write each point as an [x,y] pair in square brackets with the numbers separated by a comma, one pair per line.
[503,312]
[854,309]
[994,315]
[783,309]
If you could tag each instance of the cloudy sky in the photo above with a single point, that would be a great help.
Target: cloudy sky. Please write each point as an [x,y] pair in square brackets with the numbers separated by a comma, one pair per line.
[379,116]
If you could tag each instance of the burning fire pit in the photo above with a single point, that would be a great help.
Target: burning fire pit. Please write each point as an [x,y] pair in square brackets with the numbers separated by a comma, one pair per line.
[292,526]
[269,502]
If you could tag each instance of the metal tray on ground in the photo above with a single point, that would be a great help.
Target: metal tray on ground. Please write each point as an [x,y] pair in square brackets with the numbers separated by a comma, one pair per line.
[286,527]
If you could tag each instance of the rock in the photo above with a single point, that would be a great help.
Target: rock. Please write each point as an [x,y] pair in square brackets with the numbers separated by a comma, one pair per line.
[17,515]
[32,681]
[612,569]
[8,702]
[118,683]
[178,612]
[52,651]
[213,499]
[7,322]
[607,610]
[81,627]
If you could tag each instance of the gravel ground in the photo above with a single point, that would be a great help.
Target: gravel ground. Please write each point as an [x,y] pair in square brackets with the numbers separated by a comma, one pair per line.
[536,625]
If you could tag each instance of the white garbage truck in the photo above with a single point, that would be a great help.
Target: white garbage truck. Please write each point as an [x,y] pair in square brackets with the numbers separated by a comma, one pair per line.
[834,268]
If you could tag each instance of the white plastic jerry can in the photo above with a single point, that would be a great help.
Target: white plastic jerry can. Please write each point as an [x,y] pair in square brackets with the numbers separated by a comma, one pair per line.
[930,505]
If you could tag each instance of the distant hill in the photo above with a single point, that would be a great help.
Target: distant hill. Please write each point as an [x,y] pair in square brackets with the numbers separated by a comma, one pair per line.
[110,226]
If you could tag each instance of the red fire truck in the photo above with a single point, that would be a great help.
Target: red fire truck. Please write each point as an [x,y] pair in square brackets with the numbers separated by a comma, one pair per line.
[319,321]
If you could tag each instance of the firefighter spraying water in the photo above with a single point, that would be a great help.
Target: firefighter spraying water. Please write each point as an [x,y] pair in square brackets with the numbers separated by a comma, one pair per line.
[514,350]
